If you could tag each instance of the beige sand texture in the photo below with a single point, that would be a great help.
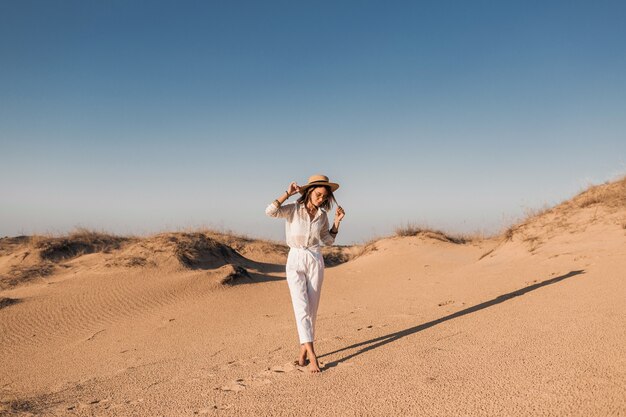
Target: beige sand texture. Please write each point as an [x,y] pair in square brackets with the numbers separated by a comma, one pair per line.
[529,323]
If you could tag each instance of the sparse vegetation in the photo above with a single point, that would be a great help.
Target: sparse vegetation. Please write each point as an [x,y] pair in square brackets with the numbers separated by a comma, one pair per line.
[414,230]
[41,254]
[196,250]
[9,244]
[233,274]
[17,407]
[33,257]
[533,242]
[6,301]
[489,252]
[79,242]
[335,255]
[131,262]
[19,274]
[610,194]
[510,232]
[367,247]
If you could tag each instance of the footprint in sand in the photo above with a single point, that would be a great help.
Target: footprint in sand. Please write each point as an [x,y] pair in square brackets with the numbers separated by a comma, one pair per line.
[288,367]
[242,384]
[262,378]
[232,364]
[235,386]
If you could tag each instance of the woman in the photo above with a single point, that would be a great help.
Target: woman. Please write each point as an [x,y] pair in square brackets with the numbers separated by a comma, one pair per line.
[306,229]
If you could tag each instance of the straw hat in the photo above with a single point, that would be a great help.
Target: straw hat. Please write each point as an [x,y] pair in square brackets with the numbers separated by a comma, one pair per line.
[317,180]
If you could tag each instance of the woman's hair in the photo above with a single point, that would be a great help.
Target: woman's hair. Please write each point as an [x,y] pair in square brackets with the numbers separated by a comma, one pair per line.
[327,204]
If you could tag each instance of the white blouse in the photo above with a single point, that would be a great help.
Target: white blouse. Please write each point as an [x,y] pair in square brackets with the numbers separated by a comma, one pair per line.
[301,231]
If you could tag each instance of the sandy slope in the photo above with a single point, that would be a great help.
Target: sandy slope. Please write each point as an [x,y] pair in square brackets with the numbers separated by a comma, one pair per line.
[530,325]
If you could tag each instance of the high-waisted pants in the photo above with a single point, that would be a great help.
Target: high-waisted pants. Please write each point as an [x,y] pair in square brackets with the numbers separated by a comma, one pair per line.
[305,273]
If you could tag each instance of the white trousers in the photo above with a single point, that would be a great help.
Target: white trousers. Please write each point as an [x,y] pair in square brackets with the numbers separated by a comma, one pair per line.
[305,273]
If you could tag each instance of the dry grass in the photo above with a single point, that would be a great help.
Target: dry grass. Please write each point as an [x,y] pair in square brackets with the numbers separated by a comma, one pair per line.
[131,262]
[510,232]
[8,245]
[367,247]
[6,301]
[41,255]
[49,250]
[228,237]
[489,252]
[224,236]
[195,250]
[335,255]
[609,194]
[233,274]
[533,242]
[79,242]
[415,230]
[529,215]
[18,275]
[238,242]
[22,407]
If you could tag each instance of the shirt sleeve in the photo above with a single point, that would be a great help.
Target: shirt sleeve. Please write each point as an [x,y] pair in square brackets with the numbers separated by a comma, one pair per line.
[284,211]
[325,235]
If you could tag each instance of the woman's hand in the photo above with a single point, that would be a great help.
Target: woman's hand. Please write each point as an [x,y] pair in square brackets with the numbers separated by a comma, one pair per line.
[339,213]
[293,188]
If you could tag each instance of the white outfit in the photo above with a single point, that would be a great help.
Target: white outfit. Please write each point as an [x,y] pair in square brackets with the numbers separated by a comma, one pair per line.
[305,265]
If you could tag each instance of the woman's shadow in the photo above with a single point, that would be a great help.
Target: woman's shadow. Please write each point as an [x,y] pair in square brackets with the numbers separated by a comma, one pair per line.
[392,337]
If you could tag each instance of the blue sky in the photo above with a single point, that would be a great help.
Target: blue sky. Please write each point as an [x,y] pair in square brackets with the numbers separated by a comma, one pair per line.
[139,117]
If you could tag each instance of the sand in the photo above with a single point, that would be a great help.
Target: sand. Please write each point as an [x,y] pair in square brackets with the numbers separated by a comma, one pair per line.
[530,323]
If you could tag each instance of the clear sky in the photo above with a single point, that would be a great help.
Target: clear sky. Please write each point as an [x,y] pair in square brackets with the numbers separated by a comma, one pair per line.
[146,116]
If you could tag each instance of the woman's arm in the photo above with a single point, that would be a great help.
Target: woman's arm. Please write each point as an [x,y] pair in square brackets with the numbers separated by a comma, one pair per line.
[275,209]
[339,214]
[328,235]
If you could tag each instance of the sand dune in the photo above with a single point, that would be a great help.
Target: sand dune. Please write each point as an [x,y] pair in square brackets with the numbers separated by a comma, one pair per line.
[530,322]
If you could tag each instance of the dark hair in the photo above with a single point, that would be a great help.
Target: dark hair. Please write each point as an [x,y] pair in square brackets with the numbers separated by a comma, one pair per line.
[327,204]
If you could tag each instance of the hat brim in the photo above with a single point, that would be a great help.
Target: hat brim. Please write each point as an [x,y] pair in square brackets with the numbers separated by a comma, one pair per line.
[333,186]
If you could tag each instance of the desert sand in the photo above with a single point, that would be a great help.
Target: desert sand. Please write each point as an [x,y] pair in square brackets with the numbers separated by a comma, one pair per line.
[531,322]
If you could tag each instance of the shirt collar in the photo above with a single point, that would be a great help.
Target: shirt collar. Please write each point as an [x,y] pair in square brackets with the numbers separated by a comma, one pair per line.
[318,213]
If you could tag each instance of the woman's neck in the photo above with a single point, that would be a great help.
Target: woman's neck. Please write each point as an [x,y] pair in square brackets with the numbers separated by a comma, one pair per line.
[311,207]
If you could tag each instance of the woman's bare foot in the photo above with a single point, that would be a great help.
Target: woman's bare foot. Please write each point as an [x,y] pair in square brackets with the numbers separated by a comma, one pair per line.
[302,358]
[314,366]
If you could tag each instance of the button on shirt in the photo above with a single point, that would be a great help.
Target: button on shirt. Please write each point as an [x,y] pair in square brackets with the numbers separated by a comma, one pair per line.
[301,231]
